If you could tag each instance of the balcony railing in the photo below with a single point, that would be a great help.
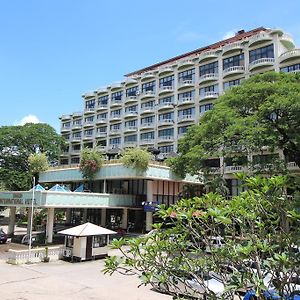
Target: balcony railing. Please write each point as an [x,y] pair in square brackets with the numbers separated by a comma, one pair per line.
[233,70]
[208,77]
[116,102]
[165,105]
[148,109]
[116,117]
[185,63]
[88,123]
[209,95]
[131,113]
[208,54]
[186,100]
[102,106]
[165,121]
[163,70]
[267,61]
[76,138]
[100,134]
[89,110]
[166,89]
[260,37]
[186,118]
[130,144]
[147,125]
[186,83]
[232,46]
[234,169]
[166,138]
[295,53]
[130,128]
[148,93]
[101,120]
[147,141]
[292,166]
[130,99]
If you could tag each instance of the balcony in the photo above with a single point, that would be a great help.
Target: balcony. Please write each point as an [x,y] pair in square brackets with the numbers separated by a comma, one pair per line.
[65,117]
[186,118]
[259,38]
[115,117]
[292,166]
[147,75]
[130,129]
[185,63]
[165,70]
[233,46]
[147,109]
[289,55]
[130,113]
[76,126]
[116,86]
[102,106]
[101,148]
[130,99]
[147,141]
[130,144]
[287,41]
[76,139]
[101,120]
[89,110]
[75,152]
[147,94]
[208,55]
[209,95]
[77,114]
[235,169]
[65,128]
[186,83]
[164,122]
[208,77]
[185,101]
[115,102]
[102,91]
[100,134]
[165,105]
[114,131]
[262,62]
[166,138]
[181,135]
[233,71]
[89,123]
[166,89]
[147,125]
[88,136]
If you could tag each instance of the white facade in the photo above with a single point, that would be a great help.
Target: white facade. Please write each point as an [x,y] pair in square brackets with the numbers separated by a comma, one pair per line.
[154,106]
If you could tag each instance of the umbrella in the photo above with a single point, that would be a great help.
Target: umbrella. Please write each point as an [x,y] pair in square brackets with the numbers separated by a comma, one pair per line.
[80,189]
[86,229]
[38,187]
[58,188]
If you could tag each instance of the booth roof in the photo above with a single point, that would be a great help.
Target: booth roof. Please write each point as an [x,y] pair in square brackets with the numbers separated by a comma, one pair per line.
[86,229]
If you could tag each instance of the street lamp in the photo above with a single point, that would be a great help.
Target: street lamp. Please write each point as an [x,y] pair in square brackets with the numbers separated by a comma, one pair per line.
[30,224]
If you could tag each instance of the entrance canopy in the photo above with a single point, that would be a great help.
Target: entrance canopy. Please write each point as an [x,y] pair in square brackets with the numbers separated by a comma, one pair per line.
[86,229]
[38,187]
[59,188]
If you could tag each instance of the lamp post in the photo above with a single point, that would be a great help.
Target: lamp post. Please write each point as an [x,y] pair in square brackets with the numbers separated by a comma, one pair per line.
[31,221]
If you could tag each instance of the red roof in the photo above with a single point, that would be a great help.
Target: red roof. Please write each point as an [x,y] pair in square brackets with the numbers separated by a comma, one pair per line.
[239,36]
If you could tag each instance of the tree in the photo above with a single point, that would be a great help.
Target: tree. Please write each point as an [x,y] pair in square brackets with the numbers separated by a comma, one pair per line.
[259,230]
[16,145]
[136,158]
[264,111]
[38,162]
[90,163]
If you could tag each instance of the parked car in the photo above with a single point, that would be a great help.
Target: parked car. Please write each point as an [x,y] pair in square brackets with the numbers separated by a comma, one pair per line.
[3,236]
[25,239]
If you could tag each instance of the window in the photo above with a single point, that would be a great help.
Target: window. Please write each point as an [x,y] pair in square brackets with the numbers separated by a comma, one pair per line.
[166,116]
[166,149]
[147,120]
[211,68]
[166,132]
[131,123]
[75,160]
[66,137]
[66,125]
[103,100]
[89,119]
[132,91]
[205,107]
[88,132]
[166,81]
[131,108]
[237,60]
[166,100]
[90,103]
[99,241]
[115,141]
[291,68]
[115,126]
[183,129]
[102,116]
[187,75]
[149,86]
[116,113]
[77,135]
[102,129]
[147,135]
[264,52]
[211,88]
[231,83]
[77,122]
[189,94]
[116,96]
[130,138]
[186,112]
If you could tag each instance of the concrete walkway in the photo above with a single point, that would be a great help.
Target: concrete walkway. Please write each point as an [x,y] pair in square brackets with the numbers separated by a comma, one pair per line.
[62,281]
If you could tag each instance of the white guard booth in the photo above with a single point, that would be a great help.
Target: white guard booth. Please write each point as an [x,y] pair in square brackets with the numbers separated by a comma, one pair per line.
[85,242]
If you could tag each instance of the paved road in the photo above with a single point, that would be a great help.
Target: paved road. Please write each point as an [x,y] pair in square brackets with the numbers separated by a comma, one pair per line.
[62,281]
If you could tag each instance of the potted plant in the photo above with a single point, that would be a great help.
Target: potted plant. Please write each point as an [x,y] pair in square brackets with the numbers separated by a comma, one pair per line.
[46,258]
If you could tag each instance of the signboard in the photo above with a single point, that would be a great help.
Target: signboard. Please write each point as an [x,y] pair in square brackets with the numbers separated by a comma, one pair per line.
[150,206]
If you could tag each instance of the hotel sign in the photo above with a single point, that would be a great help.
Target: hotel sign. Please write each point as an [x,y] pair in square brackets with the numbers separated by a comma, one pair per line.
[16,199]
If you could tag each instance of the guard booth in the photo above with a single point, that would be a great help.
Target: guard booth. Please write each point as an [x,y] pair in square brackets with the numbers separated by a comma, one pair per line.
[85,242]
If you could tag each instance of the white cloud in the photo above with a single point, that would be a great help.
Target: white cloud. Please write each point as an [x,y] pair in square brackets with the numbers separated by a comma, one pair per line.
[228,34]
[28,119]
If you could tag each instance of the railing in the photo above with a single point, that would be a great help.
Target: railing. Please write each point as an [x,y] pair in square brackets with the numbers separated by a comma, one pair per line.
[165,138]
[165,105]
[234,169]
[130,113]
[233,69]
[130,128]
[165,69]
[102,106]
[186,100]
[262,61]
[207,54]
[211,76]
[89,109]
[165,121]
[130,98]
[186,117]
[147,108]
[288,54]
[116,102]
[148,93]
[228,47]
[259,36]
[187,82]
[292,165]
[64,117]
[148,125]
[101,120]
[16,257]
[185,63]
[166,88]
[209,95]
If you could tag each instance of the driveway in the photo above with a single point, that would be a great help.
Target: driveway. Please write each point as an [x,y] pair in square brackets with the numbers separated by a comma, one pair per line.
[75,281]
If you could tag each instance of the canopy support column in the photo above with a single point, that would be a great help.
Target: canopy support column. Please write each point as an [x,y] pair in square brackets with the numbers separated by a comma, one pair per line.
[49,226]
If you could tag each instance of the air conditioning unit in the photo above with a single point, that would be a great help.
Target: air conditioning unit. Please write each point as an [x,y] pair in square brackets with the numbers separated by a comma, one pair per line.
[67,253]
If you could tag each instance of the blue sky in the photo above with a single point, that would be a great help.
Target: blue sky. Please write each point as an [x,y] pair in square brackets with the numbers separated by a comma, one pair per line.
[51,52]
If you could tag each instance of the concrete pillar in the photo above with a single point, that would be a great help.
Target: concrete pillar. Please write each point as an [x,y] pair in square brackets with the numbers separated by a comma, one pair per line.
[84,217]
[125,218]
[68,215]
[149,215]
[104,186]
[103,217]
[12,220]
[49,225]
[28,219]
